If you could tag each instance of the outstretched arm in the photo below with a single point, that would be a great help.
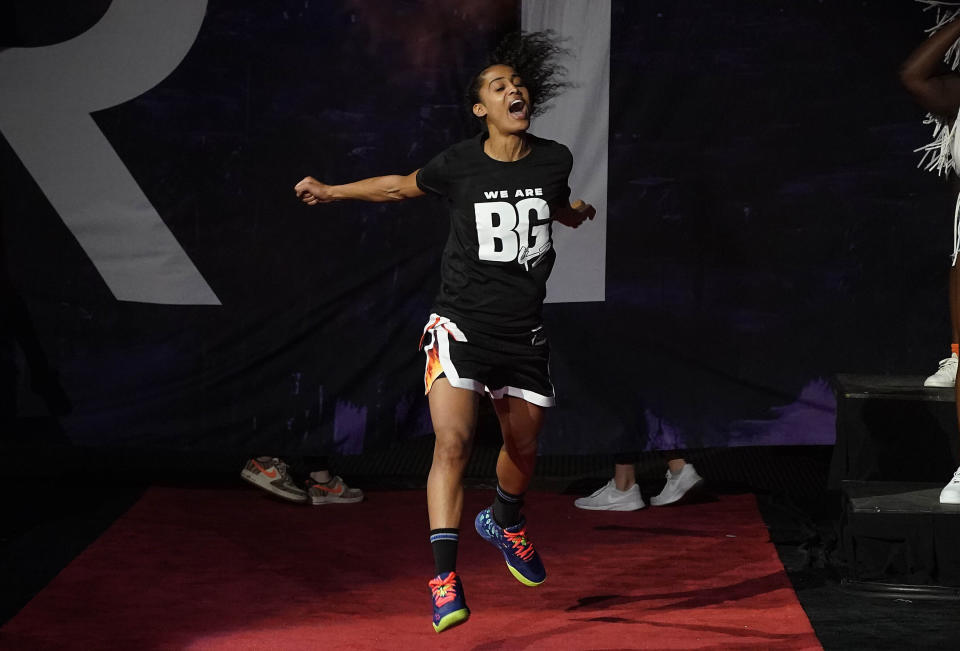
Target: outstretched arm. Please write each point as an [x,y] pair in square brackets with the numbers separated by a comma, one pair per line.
[575,214]
[921,74]
[393,187]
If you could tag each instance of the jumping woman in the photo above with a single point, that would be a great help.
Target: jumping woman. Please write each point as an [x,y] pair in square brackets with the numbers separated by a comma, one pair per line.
[503,189]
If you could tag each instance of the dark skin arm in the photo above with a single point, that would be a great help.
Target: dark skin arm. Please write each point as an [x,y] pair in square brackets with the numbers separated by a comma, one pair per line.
[922,74]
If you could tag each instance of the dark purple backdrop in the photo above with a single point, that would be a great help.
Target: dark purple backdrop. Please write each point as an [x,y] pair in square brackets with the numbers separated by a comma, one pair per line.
[767,228]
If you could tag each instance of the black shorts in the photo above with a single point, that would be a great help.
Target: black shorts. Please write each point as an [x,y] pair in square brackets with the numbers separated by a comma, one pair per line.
[501,364]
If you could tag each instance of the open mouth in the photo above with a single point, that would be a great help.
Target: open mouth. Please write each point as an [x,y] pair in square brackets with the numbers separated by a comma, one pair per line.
[518,109]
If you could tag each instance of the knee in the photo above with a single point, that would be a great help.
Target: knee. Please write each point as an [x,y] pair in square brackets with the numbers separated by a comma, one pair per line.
[451,448]
[523,447]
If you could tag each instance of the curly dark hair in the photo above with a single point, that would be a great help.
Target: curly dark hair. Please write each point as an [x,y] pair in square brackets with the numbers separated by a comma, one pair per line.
[534,56]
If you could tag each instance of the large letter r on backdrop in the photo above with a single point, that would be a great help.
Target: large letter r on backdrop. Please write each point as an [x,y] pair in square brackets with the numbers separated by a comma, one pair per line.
[46,97]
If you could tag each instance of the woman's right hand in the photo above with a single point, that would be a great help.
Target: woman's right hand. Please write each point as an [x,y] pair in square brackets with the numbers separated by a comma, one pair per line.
[311,191]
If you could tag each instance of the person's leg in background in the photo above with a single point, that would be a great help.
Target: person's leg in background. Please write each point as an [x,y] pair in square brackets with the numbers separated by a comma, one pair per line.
[946,374]
[623,494]
[273,476]
[682,480]
[323,487]
[620,493]
[300,479]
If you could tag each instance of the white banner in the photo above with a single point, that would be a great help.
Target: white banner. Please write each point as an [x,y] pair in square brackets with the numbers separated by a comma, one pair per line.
[580,119]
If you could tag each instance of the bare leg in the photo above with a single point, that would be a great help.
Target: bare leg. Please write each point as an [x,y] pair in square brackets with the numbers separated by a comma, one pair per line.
[624,476]
[951,492]
[676,465]
[454,415]
[954,290]
[955,321]
[520,422]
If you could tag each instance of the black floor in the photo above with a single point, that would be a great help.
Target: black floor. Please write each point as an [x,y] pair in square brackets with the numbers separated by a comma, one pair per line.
[57,499]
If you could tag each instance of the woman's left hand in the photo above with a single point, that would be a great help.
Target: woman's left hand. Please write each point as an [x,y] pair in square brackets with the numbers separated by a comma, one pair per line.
[575,214]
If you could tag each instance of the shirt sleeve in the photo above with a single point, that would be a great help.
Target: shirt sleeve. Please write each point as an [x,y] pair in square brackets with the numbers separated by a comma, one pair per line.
[434,177]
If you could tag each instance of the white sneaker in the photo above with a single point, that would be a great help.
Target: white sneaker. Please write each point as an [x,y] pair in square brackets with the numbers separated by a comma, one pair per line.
[951,492]
[946,375]
[677,486]
[609,498]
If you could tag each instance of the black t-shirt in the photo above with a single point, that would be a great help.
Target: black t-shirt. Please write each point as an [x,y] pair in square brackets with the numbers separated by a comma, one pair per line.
[500,251]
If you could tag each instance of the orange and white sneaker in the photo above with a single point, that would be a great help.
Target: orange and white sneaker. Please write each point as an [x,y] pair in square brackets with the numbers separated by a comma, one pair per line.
[334,491]
[270,474]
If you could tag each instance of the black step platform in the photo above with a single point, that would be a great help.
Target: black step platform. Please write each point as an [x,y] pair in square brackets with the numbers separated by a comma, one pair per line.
[892,428]
[898,539]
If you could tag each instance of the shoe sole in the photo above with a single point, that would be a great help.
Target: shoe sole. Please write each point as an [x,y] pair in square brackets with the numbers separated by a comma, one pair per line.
[335,500]
[612,507]
[686,494]
[255,479]
[522,579]
[450,620]
[934,385]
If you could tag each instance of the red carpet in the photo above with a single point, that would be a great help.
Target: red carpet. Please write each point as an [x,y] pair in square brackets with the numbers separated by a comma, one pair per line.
[229,569]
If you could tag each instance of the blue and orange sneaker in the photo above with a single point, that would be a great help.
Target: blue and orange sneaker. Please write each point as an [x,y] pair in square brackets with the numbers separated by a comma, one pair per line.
[449,604]
[522,559]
